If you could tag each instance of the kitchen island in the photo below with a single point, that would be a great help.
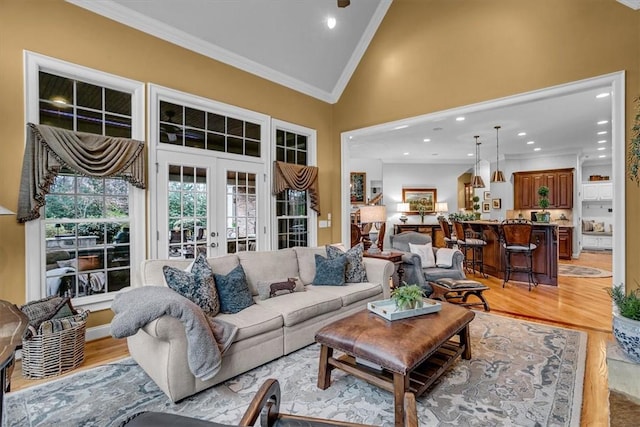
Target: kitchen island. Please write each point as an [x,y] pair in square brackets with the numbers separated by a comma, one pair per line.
[545,257]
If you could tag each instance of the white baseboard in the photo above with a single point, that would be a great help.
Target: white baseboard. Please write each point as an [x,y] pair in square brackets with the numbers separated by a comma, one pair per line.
[98,332]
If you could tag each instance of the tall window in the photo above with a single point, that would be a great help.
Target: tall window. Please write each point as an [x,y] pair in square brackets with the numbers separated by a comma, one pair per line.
[292,207]
[86,226]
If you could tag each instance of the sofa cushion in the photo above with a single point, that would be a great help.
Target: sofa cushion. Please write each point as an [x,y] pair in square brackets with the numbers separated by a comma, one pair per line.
[196,284]
[300,306]
[435,273]
[330,272]
[355,271]
[233,291]
[307,262]
[253,320]
[425,252]
[351,292]
[268,265]
[274,288]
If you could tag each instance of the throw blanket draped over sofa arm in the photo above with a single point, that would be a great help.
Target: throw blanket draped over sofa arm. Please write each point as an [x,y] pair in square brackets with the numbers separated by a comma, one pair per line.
[207,338]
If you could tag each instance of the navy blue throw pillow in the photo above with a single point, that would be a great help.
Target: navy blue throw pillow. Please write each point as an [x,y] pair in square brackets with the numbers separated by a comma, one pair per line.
[330,271]
[233,291]
[196,284]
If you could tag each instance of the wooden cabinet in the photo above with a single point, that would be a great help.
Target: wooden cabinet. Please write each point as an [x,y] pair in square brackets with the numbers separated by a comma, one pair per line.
[565,242]
[597,191]
[590,241]
[559,181]
[545,257]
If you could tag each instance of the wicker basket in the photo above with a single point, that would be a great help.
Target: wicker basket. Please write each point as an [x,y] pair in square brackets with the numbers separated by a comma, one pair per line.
[53,354]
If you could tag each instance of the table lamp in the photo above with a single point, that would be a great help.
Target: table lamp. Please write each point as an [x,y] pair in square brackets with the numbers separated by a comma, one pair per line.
[403,208]
[373,215]
[441,208]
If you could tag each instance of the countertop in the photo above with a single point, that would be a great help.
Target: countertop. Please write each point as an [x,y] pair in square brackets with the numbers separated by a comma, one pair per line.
[543,224]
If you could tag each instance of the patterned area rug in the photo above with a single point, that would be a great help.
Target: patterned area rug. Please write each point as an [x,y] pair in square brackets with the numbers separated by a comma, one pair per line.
[572,270]
[520,374]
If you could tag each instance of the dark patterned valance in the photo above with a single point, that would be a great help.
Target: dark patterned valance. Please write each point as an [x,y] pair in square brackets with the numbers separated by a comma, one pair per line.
[48,149]
[297,177]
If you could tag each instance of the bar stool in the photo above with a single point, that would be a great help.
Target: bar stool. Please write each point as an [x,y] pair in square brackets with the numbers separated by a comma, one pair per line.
[467,240]
[517,240]
[449,241]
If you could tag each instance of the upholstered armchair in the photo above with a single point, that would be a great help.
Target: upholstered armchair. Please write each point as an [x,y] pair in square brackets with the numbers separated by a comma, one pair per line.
[414,272]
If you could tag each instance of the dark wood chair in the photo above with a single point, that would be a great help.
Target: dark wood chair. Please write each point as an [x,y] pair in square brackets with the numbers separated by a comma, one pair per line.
[265,406]
[516,234]
[449,241]
[468,240]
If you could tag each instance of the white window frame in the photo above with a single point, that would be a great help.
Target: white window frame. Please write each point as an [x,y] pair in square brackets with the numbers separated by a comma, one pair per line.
[157,93]
[34,242]
[312,159]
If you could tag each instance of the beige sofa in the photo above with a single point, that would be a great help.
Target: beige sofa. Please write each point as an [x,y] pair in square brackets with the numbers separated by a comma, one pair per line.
[266,330]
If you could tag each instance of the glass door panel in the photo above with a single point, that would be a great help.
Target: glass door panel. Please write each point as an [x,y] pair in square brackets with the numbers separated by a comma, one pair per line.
[242,212]
[187,210]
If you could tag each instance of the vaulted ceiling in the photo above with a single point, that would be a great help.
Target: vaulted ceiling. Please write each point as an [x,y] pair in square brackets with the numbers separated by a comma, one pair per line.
[290,43]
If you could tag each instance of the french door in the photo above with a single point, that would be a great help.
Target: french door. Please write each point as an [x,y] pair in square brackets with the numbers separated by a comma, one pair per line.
[209,205]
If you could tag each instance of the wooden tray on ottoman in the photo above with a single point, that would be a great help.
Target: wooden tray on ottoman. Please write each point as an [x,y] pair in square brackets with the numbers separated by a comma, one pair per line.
[387,309]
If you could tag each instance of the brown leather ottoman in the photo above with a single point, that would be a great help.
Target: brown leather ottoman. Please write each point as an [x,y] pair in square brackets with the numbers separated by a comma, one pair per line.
[412,352]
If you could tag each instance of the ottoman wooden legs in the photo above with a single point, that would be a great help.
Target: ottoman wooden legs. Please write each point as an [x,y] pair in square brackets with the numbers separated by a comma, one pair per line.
[459,291]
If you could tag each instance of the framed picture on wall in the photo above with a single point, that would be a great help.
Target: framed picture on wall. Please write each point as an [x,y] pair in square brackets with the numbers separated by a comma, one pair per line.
[358,187]
[486,206]
[497,203]
[487,195]
[420,196]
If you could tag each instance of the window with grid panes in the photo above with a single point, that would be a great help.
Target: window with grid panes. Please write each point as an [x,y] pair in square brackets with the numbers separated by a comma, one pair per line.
[291,205]
[83,215]
[89,238]
[195,128]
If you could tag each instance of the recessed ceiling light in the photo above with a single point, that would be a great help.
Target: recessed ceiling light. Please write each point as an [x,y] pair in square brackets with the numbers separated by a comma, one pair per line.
[530,142]
[602,132]
[459,119]
[331,22]
[602,141]
[470,154]
[406,153]
[522,134]
[350,136]
[602,95]
[400,127]
[602,156]
[537,149]
[427,140]
[603,122]
[602,148]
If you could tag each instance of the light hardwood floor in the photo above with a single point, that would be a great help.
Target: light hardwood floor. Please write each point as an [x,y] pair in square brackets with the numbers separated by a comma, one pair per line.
[577,303]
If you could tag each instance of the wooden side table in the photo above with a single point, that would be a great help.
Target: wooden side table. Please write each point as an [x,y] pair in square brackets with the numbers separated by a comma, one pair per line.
[394,257]
[13,322]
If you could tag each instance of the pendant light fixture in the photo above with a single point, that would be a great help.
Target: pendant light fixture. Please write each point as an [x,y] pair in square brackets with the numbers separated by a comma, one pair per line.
[477,181]
[497,175]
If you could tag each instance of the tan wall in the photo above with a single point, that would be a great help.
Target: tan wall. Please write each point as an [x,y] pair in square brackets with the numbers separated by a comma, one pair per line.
[431,55]
[64,31]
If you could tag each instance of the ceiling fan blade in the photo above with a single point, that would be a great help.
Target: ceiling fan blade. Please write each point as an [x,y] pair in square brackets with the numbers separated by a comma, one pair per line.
[344,3]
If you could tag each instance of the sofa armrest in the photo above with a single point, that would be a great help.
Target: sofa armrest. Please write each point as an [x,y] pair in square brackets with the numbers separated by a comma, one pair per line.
[166,328]
[379,271]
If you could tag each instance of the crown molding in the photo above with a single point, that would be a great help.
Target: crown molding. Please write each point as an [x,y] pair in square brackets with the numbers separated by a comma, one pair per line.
[138,21]
[633,4]
[360,49]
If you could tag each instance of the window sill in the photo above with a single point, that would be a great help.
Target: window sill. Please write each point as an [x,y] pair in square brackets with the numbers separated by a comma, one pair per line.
[94,302]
